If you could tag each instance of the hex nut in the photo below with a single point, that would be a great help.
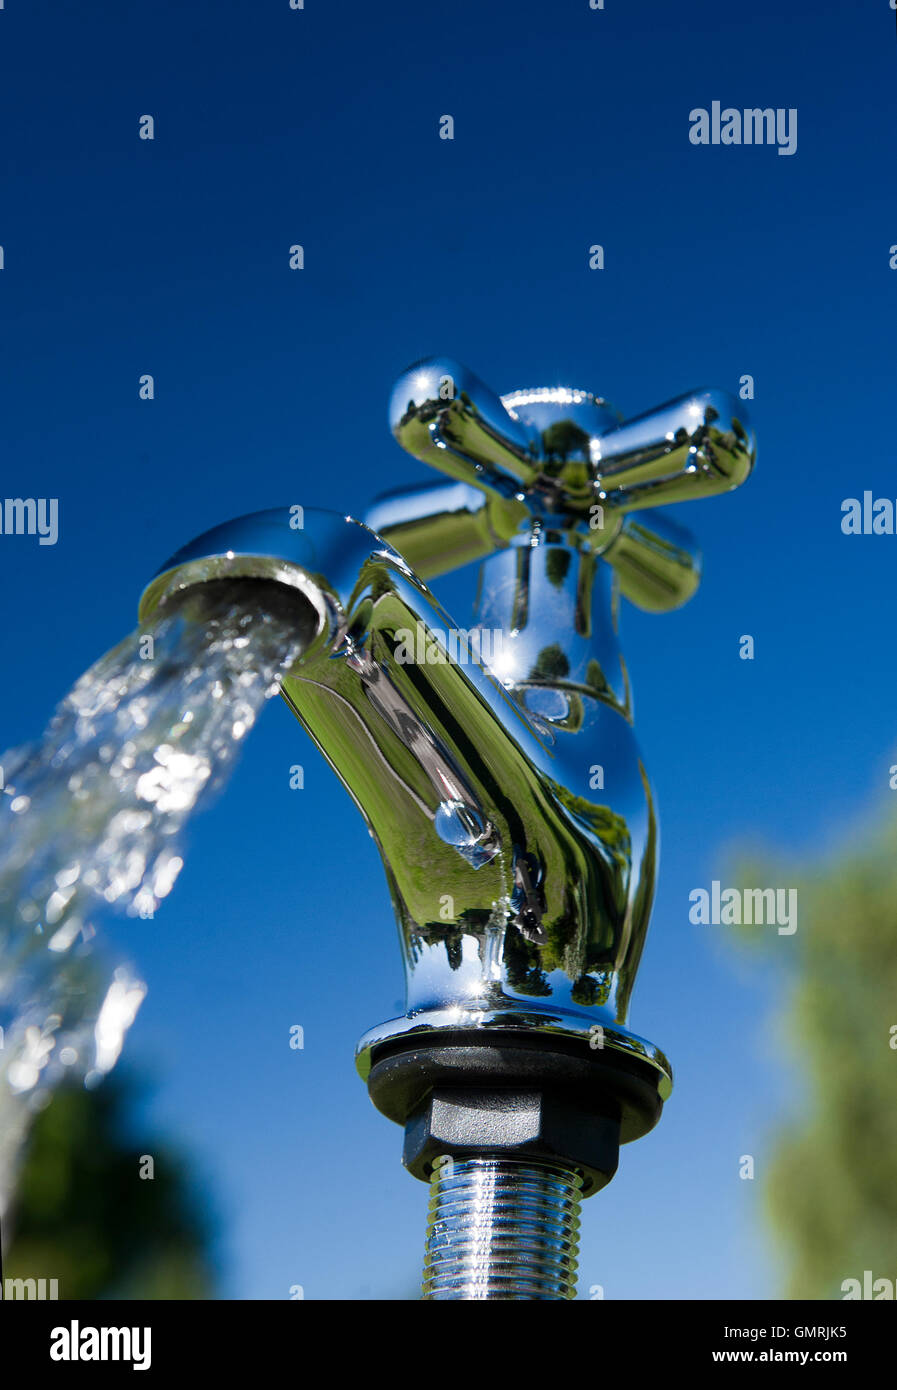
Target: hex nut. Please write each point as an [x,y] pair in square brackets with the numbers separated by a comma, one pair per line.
[539,1125]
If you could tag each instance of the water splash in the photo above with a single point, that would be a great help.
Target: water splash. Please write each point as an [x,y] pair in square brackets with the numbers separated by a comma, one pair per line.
[91,818]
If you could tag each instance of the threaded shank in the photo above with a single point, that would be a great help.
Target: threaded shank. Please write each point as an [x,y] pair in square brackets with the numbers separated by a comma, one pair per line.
[502,1229]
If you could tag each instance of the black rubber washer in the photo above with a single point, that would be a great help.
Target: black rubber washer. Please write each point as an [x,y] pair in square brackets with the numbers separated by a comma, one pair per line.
[405,1070]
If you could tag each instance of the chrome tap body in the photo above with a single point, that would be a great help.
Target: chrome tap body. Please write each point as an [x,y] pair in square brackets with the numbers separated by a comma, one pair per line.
[496,766]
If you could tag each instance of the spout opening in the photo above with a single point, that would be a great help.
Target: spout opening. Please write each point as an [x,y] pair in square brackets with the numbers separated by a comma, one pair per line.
[261,581]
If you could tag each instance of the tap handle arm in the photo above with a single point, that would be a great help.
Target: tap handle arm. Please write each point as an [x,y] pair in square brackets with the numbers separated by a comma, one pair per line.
[439,527]
[695,446]
[445,416]
[657,563]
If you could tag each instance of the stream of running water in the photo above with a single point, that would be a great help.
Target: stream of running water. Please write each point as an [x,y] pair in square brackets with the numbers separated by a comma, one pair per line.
[91,819]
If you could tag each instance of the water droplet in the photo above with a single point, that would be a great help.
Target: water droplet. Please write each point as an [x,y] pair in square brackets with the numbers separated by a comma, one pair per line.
[545,703]
[461,826]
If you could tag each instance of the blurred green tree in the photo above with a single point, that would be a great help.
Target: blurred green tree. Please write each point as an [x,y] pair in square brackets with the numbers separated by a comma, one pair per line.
[87,1213]
[831,1192]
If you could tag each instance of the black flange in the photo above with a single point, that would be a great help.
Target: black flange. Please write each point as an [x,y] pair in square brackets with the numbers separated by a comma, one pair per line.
[518,1095]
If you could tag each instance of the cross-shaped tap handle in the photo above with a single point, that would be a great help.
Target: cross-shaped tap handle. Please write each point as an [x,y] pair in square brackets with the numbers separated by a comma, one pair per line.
[563,458]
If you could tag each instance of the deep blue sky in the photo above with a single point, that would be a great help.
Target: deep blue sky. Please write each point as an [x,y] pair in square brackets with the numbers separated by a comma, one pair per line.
[123,257]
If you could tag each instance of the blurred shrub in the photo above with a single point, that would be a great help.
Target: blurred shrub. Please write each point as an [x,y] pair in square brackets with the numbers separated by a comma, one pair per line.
[84,1215]
[831,1193]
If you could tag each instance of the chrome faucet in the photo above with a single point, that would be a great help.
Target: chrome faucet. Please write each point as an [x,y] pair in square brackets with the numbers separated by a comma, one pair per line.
[497,770]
